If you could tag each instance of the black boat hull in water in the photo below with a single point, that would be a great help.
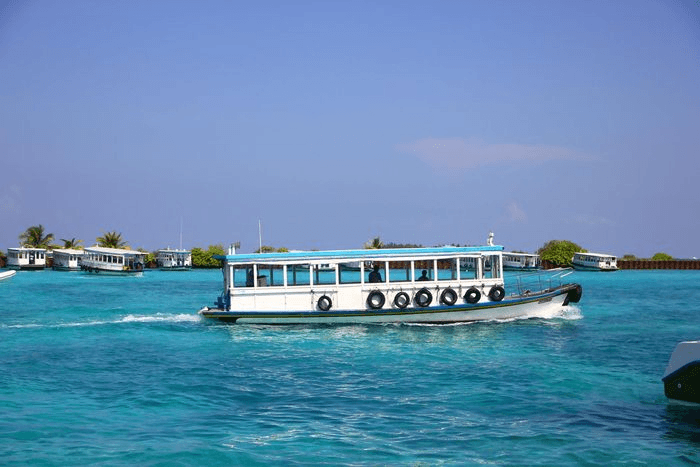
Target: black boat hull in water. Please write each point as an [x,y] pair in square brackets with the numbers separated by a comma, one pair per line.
[684,383]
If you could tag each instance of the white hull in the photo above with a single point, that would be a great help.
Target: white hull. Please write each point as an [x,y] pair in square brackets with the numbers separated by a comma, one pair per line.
[113,272]
[545,304]
[580,267]
[7,274]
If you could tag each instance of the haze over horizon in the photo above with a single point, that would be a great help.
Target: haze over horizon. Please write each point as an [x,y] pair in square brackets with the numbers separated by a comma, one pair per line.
[333,123]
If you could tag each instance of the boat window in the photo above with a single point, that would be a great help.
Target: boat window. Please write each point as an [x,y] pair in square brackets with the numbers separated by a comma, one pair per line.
[298,274]
[491,267]
[270,275]
[447,269]
[243,275]
[399,271]
[376,272]
[324,274]
[467,270]
[424,270]
[349,273]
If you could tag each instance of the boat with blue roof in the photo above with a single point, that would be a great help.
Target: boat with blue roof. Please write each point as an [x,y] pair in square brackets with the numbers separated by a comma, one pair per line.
[406,285]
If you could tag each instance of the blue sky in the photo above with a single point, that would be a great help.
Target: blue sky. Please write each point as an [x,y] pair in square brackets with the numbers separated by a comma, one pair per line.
[335,122]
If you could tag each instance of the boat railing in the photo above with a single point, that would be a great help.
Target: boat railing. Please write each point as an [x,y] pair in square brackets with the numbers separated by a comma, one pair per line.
[539,281]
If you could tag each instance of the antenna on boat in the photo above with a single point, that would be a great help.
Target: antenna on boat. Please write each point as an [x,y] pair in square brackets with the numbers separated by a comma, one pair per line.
[181,232]
[489,241]
[260,235]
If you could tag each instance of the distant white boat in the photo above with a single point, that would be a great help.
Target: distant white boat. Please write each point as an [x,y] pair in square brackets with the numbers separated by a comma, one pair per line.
[594,262]
[7,274]
[520,261]
[67,259]
[26,258]
[112,261]
[174,260]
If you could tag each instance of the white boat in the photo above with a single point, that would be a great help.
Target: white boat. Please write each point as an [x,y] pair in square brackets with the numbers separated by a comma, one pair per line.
[112,261]
[67,259]
[174,260]
[520,261]
[7,274]
[26,258]
[411,285]
[594,262]
[682,376]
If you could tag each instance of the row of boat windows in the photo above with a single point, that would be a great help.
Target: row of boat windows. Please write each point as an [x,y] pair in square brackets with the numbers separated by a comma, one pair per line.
[594,259]
[25,255]
[106,258]
[305,274]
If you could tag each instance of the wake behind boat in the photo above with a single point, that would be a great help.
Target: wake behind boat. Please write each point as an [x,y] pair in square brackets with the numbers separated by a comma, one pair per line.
[408,285]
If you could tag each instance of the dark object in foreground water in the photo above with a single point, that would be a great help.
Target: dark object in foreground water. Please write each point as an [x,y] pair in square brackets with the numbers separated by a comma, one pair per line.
[682,376]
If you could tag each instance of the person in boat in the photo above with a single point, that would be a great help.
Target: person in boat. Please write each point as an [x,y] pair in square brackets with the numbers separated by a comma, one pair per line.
[424,276]
[375,276]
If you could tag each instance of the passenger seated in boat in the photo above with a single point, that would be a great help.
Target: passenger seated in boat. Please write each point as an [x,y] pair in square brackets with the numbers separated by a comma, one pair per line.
[375,276]
[424,276]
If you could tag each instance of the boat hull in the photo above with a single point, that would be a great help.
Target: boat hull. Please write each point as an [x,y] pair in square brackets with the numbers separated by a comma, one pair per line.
[682,376]
[579,267]
[534,305]
[7,274]
[113,272]
[684,383]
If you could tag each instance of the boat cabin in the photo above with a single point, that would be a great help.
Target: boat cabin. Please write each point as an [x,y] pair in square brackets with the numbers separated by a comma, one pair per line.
[67,259]
[594,262]
[174,260]
[352,279]
[112,261]
[26,258]
[520,261]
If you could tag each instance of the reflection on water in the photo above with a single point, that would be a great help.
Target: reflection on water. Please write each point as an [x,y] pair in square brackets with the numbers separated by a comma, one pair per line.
[683,421]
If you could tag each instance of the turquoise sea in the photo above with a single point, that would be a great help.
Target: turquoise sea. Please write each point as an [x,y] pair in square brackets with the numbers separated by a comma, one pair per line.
[116,371]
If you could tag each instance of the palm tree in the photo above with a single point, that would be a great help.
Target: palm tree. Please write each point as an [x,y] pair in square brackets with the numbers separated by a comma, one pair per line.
[374,244]
[72,243]
[111,240]
[34,237]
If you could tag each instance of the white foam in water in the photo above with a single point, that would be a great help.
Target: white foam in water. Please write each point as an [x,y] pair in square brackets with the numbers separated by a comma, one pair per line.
[179,318]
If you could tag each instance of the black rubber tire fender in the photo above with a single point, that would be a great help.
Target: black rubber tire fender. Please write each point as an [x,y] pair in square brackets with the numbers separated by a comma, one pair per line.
[376,300]
[402,300]
[448,296]
[473,295]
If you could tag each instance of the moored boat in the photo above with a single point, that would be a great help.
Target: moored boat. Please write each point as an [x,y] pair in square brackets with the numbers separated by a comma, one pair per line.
[682,376]
[513,261]
[26,258]
[410,285]
[594,262]
[112,261]
[67,259]
[174,260]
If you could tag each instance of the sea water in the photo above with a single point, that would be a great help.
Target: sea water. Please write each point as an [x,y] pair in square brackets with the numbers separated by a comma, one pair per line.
[99,370]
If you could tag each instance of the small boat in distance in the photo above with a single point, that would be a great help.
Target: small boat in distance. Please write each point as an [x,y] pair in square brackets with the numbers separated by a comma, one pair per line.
[26,258]
[7,274]
[174,260]
[67,259]
[520,261]
[594,262]
[408,285]
[682,376]
[112,261]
